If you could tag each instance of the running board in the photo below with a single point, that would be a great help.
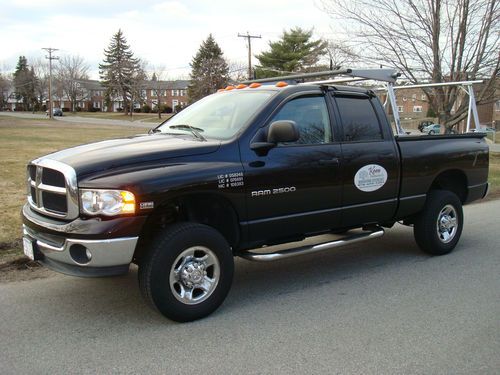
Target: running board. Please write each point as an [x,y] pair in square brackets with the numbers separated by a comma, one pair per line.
[309,249]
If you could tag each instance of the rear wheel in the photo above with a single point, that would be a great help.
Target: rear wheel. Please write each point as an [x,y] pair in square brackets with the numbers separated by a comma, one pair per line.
[432,132]
[187,272]
[438,227]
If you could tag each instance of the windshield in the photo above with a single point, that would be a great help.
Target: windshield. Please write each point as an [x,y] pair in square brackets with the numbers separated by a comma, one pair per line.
[218,116]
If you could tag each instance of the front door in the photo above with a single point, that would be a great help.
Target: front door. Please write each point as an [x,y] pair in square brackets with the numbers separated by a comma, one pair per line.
[296,188]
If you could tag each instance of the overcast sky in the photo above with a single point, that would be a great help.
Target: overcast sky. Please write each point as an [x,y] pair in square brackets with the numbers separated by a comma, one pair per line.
[164,33]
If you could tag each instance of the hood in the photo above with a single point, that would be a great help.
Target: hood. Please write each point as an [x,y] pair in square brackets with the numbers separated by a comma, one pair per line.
[143,148]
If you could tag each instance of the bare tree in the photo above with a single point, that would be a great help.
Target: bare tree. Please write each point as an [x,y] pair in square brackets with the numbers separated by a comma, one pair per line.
[41,69]
[433,40]
[238,70]
[341,54]
[159,85]
[137,83]
[5,87]
[71,71]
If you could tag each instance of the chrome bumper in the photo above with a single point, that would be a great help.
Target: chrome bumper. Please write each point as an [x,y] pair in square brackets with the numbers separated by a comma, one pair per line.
[102,253]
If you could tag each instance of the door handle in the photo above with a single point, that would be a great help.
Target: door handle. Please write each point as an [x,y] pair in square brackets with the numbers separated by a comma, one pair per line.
[333,161]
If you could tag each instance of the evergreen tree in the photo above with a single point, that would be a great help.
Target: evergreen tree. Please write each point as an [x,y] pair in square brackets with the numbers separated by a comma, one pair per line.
[25,84]
[5,85]
[294,52]
[209,70]
[119,70]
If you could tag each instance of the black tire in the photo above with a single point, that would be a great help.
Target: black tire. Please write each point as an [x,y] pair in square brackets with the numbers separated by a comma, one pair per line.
[432,132]
[438,239]
[157,267]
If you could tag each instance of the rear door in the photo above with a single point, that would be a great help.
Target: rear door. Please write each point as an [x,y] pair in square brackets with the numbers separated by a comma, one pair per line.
[370,160]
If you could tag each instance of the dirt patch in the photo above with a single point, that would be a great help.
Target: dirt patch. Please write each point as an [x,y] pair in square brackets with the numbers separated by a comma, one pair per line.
[22,268]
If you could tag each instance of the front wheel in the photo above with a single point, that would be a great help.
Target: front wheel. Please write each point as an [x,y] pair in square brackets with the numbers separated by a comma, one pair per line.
[438,227]
[187,271]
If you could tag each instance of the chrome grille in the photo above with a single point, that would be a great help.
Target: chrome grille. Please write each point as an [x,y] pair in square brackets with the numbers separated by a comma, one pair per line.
[52,188]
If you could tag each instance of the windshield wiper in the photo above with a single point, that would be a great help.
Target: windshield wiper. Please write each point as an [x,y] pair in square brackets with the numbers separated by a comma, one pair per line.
[194,130]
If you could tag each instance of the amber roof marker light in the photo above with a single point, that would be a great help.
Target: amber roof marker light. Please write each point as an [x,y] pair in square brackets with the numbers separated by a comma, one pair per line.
[281,84]
[255,85]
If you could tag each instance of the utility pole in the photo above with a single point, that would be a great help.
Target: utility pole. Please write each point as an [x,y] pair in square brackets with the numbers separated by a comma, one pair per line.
[249,38]
[50,58]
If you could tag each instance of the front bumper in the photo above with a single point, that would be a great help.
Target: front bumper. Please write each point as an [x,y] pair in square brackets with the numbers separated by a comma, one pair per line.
[64,248]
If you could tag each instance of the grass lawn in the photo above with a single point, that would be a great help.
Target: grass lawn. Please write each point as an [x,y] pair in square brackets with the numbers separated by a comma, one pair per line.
[145,117]
[24,139]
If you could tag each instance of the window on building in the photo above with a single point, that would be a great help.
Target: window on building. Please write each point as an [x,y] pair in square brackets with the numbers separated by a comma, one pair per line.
[497,106]
[423,97]
[359,120]
[143,93]
[417,108]
[400,108]
[311,116]
[414,97]
[404,99]
[173,92]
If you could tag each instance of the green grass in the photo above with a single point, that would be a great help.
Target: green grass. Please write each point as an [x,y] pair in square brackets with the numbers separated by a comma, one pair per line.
[22,140]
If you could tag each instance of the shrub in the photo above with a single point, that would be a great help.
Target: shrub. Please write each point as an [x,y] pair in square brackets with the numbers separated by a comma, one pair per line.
[65,109]
[146,108]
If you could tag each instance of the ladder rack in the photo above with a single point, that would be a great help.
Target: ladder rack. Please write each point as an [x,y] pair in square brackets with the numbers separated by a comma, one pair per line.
[387,75]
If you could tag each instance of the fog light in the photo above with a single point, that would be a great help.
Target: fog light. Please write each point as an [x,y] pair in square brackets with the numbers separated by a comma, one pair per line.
[80,254]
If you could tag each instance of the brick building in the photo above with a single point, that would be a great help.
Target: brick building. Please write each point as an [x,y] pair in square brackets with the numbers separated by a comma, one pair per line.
[92,96]
[413,105]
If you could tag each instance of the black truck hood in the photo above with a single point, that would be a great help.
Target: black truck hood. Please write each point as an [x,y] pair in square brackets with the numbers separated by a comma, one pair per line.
[115,153]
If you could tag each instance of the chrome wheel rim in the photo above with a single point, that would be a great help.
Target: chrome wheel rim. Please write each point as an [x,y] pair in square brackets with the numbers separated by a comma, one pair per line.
[447,224]
[194,275]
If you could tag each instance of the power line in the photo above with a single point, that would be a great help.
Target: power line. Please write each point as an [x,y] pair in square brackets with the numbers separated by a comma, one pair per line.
[249,38]
[50,58]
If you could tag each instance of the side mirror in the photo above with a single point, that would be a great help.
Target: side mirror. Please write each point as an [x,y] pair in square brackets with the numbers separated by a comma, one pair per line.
[283,131]
[279,131]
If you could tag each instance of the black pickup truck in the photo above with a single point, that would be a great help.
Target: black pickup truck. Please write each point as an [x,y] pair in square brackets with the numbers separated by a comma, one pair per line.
[243,168]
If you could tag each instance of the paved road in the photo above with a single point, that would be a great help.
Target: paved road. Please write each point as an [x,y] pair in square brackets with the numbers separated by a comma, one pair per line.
[381,307]
[138,122]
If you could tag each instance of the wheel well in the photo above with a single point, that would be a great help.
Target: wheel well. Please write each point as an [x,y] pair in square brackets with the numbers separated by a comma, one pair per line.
[454,181]
[209,209]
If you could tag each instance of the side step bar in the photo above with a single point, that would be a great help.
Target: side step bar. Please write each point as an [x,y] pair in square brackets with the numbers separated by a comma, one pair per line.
[308,249]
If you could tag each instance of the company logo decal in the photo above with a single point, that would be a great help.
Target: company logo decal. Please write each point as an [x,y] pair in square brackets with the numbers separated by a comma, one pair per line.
[370,178]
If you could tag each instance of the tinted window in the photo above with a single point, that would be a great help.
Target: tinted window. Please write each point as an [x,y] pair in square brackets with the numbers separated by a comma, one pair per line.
[311,116]
[359,121]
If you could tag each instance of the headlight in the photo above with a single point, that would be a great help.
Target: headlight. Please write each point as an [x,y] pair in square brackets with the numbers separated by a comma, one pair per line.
[107,202]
